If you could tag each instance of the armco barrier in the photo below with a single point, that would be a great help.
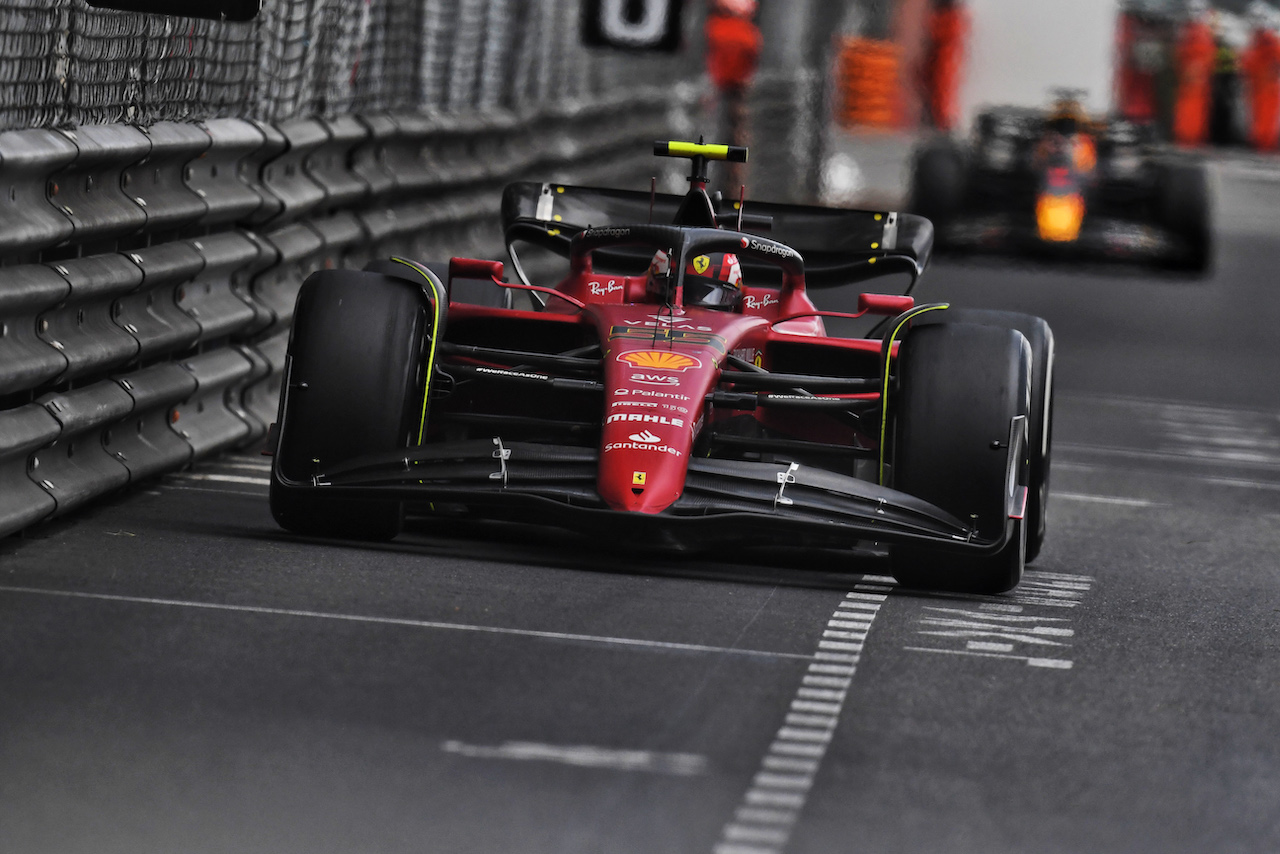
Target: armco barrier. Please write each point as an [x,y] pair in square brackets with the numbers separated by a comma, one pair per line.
[29,222]
[148,274]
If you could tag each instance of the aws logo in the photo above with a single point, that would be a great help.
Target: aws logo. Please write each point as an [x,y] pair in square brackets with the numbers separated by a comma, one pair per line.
[660,360]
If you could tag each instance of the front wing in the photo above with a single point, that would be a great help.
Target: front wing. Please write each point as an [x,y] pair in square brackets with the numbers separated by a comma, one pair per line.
[1101,238]
[724,503]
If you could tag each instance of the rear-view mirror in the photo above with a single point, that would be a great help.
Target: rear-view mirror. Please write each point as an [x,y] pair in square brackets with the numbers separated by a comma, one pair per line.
[475,268]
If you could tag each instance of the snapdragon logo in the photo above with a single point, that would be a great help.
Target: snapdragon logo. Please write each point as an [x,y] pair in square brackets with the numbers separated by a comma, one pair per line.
[607,232]
[769,248]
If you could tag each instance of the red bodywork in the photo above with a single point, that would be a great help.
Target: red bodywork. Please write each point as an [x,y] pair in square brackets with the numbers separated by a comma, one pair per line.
[661,363]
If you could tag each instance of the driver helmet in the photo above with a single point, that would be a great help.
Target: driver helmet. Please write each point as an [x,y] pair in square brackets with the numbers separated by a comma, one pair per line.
[1067,117]
[711,280]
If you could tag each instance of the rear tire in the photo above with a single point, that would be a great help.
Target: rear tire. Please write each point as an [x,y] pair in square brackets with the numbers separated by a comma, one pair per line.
[1182,207]
[959,387]
[351,388]
[937,184]
[1040,415]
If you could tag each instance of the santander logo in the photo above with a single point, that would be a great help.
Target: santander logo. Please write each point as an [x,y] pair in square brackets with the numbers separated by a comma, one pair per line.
[645,438]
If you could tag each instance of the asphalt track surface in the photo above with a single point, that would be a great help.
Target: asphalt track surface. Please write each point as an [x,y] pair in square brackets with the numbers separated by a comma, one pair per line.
[179,675]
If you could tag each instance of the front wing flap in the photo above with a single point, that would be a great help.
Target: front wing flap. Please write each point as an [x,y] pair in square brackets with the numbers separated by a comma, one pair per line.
[730,501]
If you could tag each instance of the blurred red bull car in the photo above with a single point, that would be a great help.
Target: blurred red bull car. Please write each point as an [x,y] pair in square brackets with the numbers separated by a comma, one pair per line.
[1059,185]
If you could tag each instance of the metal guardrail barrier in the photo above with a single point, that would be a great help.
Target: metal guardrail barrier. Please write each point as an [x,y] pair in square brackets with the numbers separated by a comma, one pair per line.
[149,279]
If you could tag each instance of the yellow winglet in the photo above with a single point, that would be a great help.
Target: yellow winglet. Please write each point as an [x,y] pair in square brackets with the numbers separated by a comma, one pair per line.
[711,151]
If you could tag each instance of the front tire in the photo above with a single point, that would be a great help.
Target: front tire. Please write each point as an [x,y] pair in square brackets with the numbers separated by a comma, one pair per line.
[960,385]
[351,388]
[1040,414]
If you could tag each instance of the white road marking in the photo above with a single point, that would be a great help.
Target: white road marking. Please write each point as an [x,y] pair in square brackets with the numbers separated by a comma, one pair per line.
[763,822]
[637,643]
[211,490]
[1055,663]
[1243,483]
[263,467]
[988,646]
[1104,499]
[679,764]
[1250,172]
[1173,457]
[223,478]
[762,816]
[783,763]
[1006,629]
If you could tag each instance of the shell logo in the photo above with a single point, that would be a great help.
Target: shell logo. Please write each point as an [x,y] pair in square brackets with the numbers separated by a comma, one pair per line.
[660,360]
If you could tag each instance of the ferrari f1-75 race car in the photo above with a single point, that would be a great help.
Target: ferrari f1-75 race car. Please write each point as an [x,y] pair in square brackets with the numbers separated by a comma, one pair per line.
[1056,184]
[675,388]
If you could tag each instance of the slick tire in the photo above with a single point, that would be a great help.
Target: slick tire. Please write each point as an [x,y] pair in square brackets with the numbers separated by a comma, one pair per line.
[959,387]
[1040,415]
[1182,207]
[937,183]
[351,388]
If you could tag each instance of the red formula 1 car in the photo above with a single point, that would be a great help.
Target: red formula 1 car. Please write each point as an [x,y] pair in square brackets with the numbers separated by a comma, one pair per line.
[675,388]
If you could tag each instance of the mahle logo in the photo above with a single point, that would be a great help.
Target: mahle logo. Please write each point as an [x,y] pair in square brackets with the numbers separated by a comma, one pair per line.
[660,360]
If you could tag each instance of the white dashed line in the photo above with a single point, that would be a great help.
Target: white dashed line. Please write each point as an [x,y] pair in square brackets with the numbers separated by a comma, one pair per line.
[763,822]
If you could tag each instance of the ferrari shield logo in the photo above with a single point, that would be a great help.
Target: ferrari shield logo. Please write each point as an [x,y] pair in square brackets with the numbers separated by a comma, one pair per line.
[638,477]
[700,264]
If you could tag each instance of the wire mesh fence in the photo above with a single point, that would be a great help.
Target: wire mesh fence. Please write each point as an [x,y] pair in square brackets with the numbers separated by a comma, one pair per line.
[65,63]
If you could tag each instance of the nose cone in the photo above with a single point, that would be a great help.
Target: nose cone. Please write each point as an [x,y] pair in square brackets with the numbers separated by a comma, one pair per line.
[654,398]
[1058,217]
